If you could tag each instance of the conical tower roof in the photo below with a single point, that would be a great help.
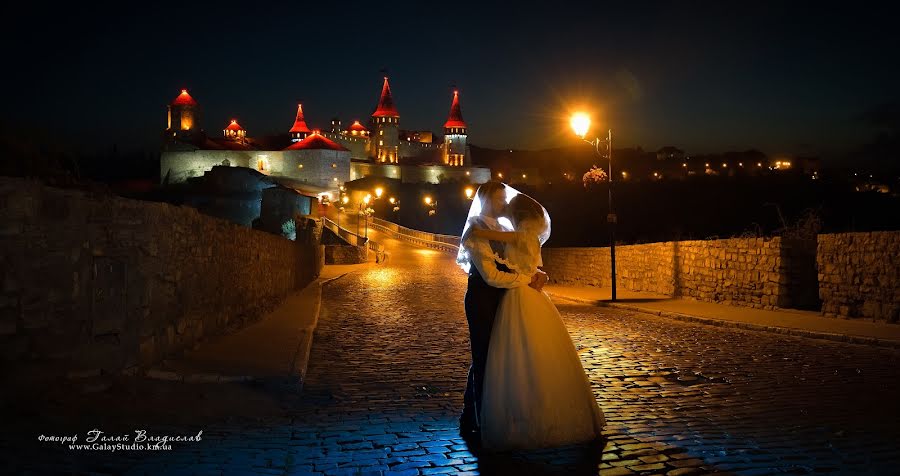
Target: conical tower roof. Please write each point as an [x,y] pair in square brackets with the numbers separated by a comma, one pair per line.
[300,122]
[386,106]
[455,119]
[234,126]
[184,99]
[316,141]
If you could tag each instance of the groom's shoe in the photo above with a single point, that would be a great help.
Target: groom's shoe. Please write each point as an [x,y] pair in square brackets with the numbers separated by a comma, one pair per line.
[470,433]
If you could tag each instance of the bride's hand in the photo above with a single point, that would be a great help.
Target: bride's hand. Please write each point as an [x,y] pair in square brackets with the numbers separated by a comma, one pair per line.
[539,279]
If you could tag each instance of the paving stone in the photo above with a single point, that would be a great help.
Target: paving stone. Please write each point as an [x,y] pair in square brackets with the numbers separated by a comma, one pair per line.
[388,366]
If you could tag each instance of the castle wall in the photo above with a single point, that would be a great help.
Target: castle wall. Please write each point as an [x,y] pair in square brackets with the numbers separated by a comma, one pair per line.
[178,166]
[317,164]
[358,145]
[320,166]
[418,149]
[359,170]
[421,173]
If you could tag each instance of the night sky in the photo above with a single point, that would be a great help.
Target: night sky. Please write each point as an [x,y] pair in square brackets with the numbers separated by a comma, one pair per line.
[706,77]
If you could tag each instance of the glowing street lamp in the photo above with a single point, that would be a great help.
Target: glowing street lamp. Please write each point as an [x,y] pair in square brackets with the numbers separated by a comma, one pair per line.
[427,200]
[392,200]
[469,192]
[378,192]
[581,124]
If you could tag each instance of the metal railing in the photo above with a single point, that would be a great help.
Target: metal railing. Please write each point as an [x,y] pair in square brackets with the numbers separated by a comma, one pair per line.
[356,240]
[447,243]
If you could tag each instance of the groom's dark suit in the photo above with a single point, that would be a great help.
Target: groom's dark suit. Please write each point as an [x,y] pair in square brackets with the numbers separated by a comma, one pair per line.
[481,304]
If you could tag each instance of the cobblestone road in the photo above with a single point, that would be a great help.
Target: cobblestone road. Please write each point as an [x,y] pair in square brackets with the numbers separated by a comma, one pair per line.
[388,366]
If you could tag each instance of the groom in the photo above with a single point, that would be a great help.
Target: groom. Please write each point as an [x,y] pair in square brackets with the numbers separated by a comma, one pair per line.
[488,281]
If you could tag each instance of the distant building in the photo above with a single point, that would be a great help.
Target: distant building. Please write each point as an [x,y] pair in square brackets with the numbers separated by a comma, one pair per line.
[323,159]
[669,153]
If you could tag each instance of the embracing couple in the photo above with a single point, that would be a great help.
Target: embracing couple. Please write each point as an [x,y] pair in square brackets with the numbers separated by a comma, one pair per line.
[526,387]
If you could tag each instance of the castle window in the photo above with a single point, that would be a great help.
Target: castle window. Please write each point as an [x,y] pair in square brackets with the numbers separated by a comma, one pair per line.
[381,142]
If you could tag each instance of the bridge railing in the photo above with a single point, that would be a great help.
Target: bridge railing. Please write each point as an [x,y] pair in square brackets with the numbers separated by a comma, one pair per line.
[448,243]
[356,240]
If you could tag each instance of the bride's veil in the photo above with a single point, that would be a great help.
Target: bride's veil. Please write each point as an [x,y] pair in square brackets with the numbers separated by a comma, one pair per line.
[483,194]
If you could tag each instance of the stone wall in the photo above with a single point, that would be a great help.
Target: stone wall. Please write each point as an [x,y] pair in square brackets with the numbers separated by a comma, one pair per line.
[101,282]
[319,167]
[859,274]
[746,272]
[421,173]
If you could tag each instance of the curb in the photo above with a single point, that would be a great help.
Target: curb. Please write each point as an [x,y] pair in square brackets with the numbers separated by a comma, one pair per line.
[301,356]
[849,339]
[298,366]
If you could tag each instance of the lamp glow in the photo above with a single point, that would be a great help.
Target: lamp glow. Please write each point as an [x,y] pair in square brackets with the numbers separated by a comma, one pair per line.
[580,122]
[378,192]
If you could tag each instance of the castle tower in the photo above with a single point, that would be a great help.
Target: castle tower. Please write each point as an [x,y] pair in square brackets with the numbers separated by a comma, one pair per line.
[357,129]
[455,135]
[183,116]
[235,132]
[386,121]
[300,130]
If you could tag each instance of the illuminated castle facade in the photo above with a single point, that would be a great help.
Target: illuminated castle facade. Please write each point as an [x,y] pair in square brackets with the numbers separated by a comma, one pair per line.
[323,159]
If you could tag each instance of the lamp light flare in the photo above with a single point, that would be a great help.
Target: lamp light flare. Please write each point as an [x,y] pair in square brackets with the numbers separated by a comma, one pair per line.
[580,123]
[378,192]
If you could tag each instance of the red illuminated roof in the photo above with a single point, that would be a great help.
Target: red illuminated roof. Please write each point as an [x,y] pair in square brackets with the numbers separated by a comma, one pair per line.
[299,122]
[356,126]
[386,106]
[184,99]
[234,126]
[455,119]
[316,141]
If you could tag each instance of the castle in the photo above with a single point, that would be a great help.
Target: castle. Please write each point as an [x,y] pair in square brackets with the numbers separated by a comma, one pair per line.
[321,161]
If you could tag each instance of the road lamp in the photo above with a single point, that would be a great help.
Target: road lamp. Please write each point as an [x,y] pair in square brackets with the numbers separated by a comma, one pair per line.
[581,122]
[366,201]
[344,201]
[432,205]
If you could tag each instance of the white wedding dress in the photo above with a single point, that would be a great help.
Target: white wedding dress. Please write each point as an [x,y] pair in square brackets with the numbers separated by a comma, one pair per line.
[536,392]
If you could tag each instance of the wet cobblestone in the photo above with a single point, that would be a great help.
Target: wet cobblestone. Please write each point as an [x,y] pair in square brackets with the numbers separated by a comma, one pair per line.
[388,366]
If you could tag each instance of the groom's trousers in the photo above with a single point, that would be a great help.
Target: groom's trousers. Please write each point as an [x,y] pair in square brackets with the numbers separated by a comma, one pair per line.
[481,304]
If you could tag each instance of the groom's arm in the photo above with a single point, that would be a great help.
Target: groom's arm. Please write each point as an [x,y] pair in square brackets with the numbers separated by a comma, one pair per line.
[486,266]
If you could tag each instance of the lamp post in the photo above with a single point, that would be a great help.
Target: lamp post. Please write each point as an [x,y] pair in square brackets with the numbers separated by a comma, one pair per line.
[366,200]
[581,122]
[432,205]
[344,201]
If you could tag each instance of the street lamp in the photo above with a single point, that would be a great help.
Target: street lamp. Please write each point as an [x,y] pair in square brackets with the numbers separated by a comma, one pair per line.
[344,200]
[469,193]
[366,200]
[581,123]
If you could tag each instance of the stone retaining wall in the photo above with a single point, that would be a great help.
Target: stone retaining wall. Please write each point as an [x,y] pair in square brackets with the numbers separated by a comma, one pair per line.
[747,272]
[859,274]
[101,282]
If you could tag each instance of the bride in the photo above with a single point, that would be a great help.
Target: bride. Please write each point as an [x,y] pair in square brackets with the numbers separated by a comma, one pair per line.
[536,393]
